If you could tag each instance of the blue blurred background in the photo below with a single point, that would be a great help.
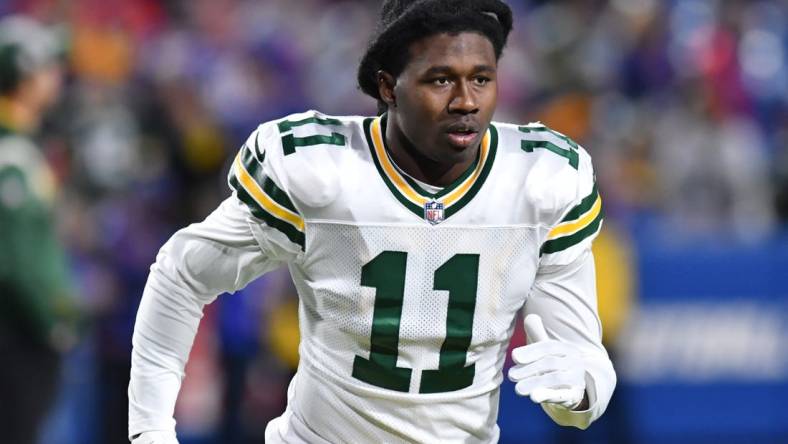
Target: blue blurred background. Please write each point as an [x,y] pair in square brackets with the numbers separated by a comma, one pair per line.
[682,104]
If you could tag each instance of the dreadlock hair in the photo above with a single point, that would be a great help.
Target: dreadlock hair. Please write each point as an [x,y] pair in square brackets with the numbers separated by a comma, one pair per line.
[403,22]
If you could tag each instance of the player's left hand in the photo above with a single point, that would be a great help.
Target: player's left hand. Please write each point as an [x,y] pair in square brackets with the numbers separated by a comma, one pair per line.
[548,370]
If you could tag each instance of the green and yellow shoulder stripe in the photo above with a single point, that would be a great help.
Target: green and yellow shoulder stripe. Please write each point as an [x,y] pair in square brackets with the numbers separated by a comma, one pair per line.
[265,199]
[581,218]
[583,221]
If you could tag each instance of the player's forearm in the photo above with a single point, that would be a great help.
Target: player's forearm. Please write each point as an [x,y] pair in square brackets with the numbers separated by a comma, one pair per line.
[565,297]
[166,324]
[198,263]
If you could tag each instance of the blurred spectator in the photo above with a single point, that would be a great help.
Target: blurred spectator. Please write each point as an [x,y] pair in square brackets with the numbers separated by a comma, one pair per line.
[37,314]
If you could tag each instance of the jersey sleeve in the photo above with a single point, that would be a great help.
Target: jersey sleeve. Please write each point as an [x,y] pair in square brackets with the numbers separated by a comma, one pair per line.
[564,293]
[256,179]
[580,219]
[223,253]
[565,298]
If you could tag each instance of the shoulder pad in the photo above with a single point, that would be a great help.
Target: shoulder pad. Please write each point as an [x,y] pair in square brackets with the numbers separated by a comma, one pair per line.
[558,168]
[309,148]
[300,154]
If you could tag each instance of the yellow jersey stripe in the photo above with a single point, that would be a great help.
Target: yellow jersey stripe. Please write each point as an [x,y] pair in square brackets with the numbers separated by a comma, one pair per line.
[405,188]
[573,226]
[455,195]
[268,204]
[391,170]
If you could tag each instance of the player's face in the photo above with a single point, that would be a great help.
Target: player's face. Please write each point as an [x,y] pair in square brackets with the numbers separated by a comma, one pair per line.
[446,96]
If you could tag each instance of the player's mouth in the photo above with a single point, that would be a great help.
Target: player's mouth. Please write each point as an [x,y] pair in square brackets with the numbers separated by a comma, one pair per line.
[462,139]
[462,136]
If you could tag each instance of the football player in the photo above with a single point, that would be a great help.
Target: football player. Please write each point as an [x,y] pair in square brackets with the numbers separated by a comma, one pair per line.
[414,238]
[39,316]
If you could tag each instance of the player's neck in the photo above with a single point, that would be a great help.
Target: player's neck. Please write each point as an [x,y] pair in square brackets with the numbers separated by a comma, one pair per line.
[408,158]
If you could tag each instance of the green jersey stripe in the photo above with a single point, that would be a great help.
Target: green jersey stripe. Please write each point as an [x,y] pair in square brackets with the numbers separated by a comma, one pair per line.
[250,162]
[447,189]
[562,243]
[415,209]
[460,204]
[258,153]
[416,187]
[583,206]
[255,170]
[295,236]
[462,201]
[278,195]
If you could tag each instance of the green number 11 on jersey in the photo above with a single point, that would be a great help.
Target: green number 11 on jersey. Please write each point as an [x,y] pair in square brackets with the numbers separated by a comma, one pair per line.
[386,273]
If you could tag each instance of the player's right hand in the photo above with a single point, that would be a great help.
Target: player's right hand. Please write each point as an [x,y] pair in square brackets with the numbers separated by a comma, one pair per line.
[156,437]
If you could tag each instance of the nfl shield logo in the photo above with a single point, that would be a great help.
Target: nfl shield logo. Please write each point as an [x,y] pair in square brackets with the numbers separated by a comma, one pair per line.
[433,212]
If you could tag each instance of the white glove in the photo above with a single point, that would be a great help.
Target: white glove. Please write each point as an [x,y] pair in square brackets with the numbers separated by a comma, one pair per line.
[156,437]
[548,370]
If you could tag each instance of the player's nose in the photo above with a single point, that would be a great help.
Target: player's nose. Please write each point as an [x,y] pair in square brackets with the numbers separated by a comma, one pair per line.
[464,100]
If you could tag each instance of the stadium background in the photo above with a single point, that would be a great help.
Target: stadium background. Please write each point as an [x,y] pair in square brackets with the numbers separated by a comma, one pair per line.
[682,104]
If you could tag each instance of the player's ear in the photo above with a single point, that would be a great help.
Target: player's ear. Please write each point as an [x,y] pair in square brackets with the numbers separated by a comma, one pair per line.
[386,84]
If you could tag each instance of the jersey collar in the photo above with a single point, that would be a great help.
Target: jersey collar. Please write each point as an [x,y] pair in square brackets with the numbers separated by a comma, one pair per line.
[454,197]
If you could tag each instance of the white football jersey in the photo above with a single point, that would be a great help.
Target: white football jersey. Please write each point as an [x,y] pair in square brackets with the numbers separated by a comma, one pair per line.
[408,298]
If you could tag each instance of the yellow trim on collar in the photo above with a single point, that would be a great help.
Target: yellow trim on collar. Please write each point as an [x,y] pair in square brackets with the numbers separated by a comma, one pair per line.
[406,189]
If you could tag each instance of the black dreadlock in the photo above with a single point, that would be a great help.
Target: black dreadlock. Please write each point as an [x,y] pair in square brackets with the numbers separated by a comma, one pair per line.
[403,22]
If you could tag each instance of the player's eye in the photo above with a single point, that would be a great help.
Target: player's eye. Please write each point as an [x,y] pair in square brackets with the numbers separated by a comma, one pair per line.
[481,80]
[441,81]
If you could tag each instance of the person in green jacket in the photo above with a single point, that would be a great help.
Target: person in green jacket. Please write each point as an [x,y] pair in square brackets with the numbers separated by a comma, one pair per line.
[36,304]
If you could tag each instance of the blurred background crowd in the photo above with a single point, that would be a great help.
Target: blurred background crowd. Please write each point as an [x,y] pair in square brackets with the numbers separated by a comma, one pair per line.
[683,105]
